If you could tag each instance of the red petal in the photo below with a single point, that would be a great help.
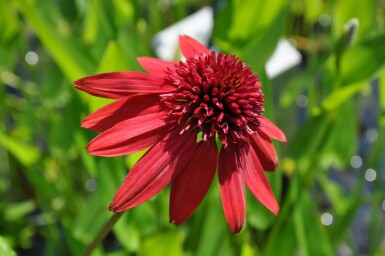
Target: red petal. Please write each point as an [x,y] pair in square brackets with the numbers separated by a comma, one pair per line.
[154,171]
[154,65]
[129,136]
[191,47]
[256,181]
[232,189]
[122,84]
[265,151]
[192,183]
[122,109]
[271,130]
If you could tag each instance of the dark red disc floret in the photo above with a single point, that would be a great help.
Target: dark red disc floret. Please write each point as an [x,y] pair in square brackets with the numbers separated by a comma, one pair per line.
[218,94]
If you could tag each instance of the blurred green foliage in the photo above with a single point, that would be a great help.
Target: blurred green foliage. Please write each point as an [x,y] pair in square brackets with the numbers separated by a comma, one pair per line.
[54,196]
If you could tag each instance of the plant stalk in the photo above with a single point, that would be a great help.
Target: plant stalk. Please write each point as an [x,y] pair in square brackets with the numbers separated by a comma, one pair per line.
[103,233]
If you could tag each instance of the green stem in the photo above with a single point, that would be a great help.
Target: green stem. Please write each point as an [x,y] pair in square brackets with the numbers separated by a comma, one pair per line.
[102,234]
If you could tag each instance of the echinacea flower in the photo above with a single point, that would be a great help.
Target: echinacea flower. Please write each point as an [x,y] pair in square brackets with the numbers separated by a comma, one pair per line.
[179,110]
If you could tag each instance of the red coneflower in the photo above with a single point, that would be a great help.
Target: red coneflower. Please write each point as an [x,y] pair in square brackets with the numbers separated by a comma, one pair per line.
[178,109]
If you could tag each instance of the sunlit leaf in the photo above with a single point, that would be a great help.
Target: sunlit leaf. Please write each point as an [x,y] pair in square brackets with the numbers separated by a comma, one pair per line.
[5,249]
[25,153]
[344,10]
[363,60]
[341,95]
[16,211]
[167,243]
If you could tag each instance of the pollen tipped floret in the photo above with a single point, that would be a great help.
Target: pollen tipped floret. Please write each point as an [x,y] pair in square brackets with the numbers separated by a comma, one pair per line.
[216,93]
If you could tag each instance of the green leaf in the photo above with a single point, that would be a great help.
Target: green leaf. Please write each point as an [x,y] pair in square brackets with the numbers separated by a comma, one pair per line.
[341,95]
[285,236]
[344,10]
[162,244]
[382,99]
[306,142]
[312,10]
[113,59]
[335,194]
[341,143]
[236,20]
[213,234]
[71,59]
[363,60]
[257,215]
[16,211]
[25,153]
[311,235]
[5,249]
[131,159]
[127,232]
[236,30]
[91,23]
[9,24]
[95,211]
[342,222]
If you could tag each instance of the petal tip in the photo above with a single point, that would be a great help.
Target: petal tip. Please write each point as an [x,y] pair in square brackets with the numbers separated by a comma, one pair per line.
[237,229]
[271,130]
[76,82]
[113,208]
[190,47]
[174,222]
[274,207]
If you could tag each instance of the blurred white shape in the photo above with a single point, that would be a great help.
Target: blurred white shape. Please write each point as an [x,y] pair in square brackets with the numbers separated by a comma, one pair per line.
[383,205]
[285,57]
[198,25]
[325,20]
[371,135]
[293,42]
[326,219]
[345,250]
[370,175]
[91,184]
[31,58]
[356,161]
[301,101]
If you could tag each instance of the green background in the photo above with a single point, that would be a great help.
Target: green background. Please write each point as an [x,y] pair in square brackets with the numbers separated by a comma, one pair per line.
[54,197]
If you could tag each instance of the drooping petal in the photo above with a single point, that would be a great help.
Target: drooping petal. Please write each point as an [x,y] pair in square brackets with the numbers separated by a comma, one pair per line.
[122,84]
[232,188]
[271,130]
[265,151]
[191,185]
[129,136]
[122,109]
[155,66]
[154,170]
[191,47]
[256,181]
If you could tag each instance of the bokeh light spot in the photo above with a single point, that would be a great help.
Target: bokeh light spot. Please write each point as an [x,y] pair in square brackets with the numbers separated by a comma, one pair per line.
[325,20]
[370,175]
[371,135]
[31,58]
[326,219]
[91,184]
[301,101]
[356,162]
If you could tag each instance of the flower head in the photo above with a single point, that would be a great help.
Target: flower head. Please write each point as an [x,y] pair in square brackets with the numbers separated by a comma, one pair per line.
[178,109]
